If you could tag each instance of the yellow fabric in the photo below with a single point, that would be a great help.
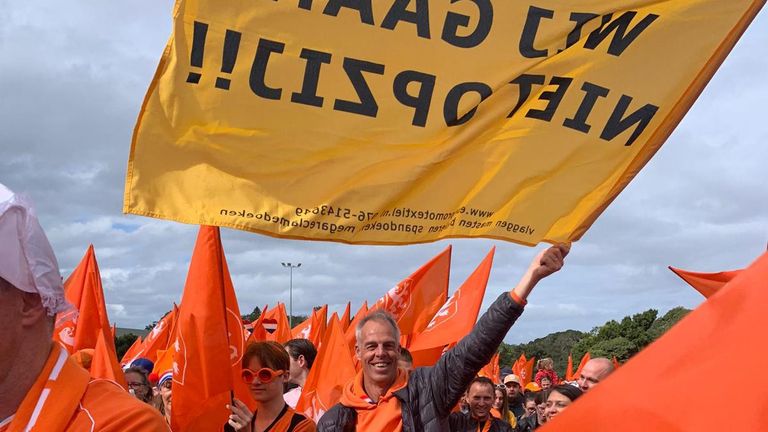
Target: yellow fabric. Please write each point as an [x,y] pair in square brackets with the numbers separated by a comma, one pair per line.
[316,120]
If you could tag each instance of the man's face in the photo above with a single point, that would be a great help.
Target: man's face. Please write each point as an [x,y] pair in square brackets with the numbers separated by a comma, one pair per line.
[530,408]
[592,373]
[480,397]
[513,389]
[378,352]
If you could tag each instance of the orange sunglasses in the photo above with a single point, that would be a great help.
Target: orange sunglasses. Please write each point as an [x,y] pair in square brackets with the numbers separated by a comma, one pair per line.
[265,375]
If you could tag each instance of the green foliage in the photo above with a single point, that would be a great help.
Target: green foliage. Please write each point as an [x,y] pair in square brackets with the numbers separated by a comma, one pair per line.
[622,339]
[253,316]
[122,343]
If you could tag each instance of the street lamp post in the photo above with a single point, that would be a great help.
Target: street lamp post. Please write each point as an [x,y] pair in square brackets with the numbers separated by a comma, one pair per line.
[290,267]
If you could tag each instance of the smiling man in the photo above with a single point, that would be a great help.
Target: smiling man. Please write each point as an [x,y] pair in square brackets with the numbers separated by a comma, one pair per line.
[480,398]
[384,398]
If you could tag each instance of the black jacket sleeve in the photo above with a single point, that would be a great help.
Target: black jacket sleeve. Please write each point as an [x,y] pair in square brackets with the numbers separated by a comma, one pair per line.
[449,378]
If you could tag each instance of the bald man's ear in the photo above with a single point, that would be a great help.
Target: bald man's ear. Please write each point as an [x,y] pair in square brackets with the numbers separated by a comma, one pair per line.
[33,311]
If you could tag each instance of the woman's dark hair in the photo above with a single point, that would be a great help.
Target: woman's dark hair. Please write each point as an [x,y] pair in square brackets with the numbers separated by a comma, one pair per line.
[504,410]
[569,391]
[542,396]
[302,347]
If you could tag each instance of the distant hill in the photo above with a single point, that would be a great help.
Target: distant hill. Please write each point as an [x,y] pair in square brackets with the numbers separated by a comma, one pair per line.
[125,331]
[622,339]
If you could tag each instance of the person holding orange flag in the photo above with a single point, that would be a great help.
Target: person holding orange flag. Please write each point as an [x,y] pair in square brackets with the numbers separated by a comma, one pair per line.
[266,368]
[383,398]
[41,388]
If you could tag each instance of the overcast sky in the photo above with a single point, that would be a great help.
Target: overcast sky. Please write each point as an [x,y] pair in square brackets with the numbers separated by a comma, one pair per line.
[73,75]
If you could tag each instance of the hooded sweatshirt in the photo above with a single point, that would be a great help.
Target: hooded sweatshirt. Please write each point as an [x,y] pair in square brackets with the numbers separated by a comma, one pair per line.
[384,415]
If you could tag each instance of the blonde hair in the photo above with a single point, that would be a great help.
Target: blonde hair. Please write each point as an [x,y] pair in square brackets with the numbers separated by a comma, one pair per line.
[545,363]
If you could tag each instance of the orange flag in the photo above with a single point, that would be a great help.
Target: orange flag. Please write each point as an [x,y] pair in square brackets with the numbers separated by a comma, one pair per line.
[79,327]
[584,360]
[345,318]
[161,335]
[132,351]
[725,327]
[349,335]
[209,340]
[282,332]
[416,299]
[491,370]
[458,315]
[333,368]
[104,364]
[569,368]
[526,372]
[706,283]
[312,328]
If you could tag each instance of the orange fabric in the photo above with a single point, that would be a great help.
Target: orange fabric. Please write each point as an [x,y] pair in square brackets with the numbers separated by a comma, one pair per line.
[526,372]
[104,363]
[209,340]
[569,369]
[458,315]
[491,370]
[63,399]
[79,328]
[132,351]
[349,335]
[345,318]
[583,361]
[313,328]
[332,369]
[416,299]
[727,326]
[283,422]
[706,283]
[162,335]
[283,332]
[382,416]
[615,362]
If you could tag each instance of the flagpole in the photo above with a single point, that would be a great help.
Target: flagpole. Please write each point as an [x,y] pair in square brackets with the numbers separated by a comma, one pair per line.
[290,291]
[220,249]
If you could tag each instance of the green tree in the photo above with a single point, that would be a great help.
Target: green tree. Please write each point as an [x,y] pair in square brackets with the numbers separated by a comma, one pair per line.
[122,343]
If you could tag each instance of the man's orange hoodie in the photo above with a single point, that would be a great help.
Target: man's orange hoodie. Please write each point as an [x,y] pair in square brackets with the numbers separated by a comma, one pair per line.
[382,416]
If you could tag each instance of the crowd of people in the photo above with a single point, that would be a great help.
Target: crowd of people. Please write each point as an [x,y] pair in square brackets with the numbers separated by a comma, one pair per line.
[43,388]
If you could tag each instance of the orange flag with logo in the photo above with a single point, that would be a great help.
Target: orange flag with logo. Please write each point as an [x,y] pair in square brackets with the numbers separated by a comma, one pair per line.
[526,372]
[491,370]
[282,332]
[159,338]
[104,364]
[349,335]
[569,368]
[706,283]
[725,327]
[209,340]
[79,327]
[416,299]
[584,360]
[345,318]
[458,315]
[312,328]
[333,368]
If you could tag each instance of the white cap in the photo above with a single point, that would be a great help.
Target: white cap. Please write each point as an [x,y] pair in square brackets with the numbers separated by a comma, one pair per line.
[26,258]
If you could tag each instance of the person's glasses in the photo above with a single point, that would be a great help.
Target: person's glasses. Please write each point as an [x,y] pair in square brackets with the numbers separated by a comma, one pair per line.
[265,375]
[134,384]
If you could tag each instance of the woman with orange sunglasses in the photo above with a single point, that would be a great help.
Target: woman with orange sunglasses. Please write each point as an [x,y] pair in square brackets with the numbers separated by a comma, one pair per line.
[265,370]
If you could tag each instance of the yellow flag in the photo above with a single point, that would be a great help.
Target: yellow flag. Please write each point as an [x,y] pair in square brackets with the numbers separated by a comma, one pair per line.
[396,121]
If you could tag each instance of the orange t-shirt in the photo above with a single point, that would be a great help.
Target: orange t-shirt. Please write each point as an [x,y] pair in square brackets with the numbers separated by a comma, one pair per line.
[382,416]
[64,399]
[288,421]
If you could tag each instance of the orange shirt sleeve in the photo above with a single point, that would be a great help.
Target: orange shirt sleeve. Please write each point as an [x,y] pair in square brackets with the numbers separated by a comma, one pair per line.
[111,409]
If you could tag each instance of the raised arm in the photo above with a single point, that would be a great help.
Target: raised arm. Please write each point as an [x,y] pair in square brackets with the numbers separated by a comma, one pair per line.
[451,375]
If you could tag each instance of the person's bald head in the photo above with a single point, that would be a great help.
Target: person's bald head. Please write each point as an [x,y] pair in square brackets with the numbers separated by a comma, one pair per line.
[596,370]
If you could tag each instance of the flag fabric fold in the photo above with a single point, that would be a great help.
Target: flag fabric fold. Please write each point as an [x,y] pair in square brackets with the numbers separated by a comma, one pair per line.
[706,283]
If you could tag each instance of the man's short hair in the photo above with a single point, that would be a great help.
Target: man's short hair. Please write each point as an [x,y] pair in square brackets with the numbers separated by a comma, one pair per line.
[302,347]
[482,381]
[406,355]
[380,316]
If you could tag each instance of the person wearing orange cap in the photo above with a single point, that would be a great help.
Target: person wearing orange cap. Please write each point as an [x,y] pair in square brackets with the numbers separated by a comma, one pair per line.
[385,398]
[41,387]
